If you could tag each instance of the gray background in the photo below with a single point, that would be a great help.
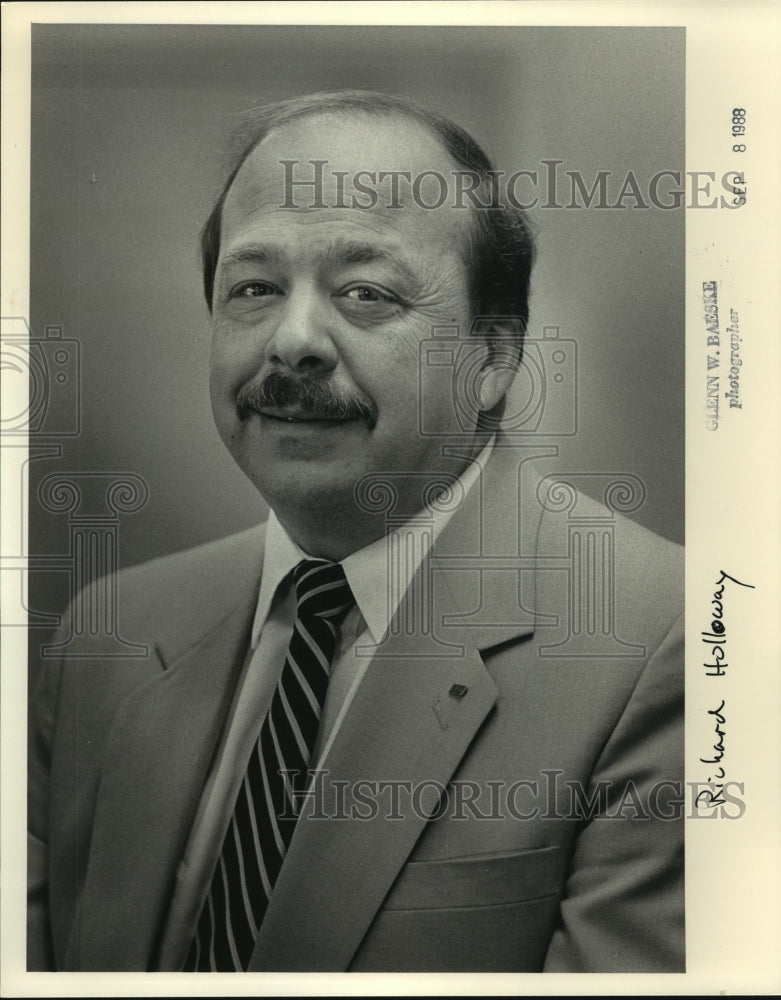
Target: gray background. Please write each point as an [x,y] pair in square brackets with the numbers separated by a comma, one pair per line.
[129,125]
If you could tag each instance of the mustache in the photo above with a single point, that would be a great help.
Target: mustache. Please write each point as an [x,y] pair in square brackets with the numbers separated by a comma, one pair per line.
[315,396]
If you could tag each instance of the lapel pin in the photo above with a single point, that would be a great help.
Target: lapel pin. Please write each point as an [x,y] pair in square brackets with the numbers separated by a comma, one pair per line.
[458,691]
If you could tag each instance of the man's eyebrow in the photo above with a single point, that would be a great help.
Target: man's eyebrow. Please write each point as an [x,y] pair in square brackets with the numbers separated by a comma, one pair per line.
[254,253]
[357,252]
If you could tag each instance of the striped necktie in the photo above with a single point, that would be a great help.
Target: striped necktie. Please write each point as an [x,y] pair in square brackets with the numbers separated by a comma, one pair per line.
[265,813]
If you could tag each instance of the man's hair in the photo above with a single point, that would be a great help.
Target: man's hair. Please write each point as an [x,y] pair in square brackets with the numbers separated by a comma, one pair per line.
[501,249]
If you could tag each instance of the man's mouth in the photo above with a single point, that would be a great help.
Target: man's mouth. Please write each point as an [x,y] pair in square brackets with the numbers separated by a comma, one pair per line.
[302,417]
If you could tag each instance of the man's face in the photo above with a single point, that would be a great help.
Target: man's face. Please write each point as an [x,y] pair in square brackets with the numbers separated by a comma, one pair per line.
[338,299]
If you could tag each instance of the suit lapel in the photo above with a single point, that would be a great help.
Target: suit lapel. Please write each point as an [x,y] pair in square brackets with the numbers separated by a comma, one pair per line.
[159,751]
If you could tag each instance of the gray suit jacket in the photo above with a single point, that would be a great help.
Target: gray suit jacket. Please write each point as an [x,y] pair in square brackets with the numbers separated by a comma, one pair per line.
[557,844]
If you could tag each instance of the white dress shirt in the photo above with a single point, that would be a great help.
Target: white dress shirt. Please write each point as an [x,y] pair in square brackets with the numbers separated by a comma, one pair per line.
[364,627]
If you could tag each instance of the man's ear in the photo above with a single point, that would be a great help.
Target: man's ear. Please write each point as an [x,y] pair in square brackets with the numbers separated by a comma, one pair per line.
[503,356]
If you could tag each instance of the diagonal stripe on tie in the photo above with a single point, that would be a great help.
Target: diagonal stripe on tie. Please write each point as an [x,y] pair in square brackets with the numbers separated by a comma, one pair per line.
[263,820]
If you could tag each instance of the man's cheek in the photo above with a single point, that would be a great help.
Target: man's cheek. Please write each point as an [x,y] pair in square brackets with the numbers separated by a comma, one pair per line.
[229,371]
[220,391]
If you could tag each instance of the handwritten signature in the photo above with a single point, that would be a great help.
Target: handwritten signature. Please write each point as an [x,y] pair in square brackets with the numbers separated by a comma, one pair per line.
[716,639]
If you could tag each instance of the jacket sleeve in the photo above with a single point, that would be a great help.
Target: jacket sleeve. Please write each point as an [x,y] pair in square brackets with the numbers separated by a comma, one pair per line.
[623,904]
[44,684]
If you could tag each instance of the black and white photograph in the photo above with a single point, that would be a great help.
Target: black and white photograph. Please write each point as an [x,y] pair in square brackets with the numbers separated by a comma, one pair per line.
[377,596]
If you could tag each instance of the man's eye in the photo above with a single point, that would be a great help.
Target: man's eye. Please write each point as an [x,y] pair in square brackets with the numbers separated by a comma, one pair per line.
[252,290]
[365,293]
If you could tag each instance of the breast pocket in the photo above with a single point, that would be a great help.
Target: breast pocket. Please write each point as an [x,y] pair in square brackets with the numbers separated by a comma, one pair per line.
[482,913]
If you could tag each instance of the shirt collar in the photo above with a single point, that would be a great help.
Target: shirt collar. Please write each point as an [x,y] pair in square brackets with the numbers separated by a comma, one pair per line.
[367,569]
[280,557]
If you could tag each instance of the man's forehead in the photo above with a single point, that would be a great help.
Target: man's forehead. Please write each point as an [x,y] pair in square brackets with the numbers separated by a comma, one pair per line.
[356,141]
[348,158]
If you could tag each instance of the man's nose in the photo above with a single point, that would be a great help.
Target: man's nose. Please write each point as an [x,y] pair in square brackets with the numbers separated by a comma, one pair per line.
[302,339]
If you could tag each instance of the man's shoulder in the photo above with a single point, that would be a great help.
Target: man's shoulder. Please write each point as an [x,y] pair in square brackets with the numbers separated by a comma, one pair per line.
[189,590]
[560,508]
[642,572]
[636,552]
[207,571]
[228,555]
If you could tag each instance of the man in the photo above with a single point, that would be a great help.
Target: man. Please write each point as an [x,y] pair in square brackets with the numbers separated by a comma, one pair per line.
[476,709]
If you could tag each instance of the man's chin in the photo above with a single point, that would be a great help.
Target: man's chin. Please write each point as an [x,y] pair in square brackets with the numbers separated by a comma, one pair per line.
[306,483]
